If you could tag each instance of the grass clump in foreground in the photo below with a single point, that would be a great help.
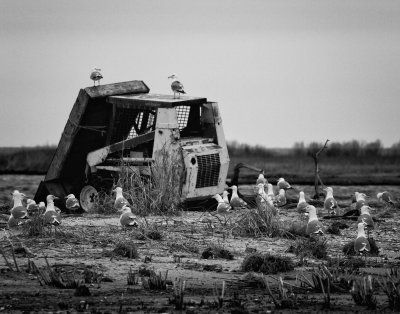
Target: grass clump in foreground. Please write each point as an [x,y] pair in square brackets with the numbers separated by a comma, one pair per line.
[266,263]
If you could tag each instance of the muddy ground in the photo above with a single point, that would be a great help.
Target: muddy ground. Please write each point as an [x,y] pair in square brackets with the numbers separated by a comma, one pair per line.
[84,247]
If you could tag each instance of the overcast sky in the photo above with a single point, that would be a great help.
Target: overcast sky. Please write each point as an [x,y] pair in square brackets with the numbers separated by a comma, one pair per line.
[281,71]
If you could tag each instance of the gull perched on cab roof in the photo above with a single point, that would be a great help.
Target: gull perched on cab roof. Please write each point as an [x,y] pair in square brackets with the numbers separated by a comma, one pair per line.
[176,86]
[95,75]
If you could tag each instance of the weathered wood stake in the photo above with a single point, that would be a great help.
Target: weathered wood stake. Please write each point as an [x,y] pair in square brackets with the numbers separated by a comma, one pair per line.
[318,180]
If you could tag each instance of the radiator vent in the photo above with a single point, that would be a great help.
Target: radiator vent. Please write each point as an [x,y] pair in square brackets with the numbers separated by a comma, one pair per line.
[208,170]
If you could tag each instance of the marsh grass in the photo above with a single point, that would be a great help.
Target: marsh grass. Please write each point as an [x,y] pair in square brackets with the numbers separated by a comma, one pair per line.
[309,247]
[259,222]
[104,203]
[363,292]
[154,189]
[266,263]
[34,227]
[391,287]
[126,249]
[216,250]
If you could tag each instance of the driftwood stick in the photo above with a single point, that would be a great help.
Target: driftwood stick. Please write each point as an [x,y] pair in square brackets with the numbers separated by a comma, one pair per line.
[13,255]
[318,180]
[5,258]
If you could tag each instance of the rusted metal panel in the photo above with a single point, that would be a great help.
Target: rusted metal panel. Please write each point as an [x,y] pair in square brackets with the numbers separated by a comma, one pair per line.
[98,156]
[86,130]
[145,101]
[130,87]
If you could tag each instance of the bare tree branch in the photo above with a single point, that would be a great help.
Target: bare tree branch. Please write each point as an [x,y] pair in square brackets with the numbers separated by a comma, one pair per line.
[318,180]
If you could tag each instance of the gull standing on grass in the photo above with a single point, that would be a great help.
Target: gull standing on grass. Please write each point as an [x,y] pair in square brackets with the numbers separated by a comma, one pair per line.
[261,178]
[32,207]
[302,204]
[281,198]
[176,86]
[360,200]
[361,244]
[51,216]
[127,218]
[120,200]
[72,202]
[222,207]
[236,201]
[366,218]
[330,204]
[225,196]
[385,197]
[283,184]
[270,192]
[18,211]
[42,207]
[95,75]
[314,226]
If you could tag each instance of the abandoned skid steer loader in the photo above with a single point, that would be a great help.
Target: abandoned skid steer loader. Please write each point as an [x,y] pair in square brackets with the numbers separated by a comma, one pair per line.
[122,123]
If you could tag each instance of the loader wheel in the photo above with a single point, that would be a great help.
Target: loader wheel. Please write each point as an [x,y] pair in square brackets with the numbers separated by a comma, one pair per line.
[88,197]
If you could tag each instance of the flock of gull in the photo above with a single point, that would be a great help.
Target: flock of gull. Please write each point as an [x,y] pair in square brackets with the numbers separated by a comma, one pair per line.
[267,200]
[20,213]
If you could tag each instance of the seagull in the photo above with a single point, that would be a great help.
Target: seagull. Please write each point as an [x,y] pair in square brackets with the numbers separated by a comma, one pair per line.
[95,75]
[261,178]
[385,197]
[281,198]
[283,184]
[14,222]
[314,226]
[270,192]
[236,201]
[262,198]
[127,218]
[120,200]
[31,206]
[176,86]
[225,197]
[18,211]
[360,200]
[42,207]
[330,203]
[302,204]
[51,216]
[71,202]
[366,218]
[361,244]
[222,207]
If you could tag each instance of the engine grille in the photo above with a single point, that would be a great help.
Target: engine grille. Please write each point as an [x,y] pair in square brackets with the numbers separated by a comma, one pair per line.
[208,170]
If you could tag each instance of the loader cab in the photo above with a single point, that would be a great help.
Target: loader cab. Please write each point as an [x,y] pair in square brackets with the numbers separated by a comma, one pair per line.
[122,123]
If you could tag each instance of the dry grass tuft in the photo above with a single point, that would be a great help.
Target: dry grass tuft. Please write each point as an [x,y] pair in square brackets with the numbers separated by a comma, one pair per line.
[266,263]
[155,190]
[155,282]
[259,222]
[217,251]
[34,226]
[104,203]
[126,249]
[391,287]
[307,247]
[363,292]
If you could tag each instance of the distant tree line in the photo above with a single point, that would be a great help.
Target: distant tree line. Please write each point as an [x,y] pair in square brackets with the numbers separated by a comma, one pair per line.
[34,160]
[37,159]
[349,149]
